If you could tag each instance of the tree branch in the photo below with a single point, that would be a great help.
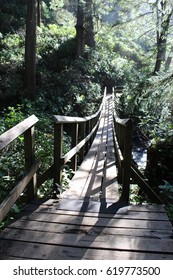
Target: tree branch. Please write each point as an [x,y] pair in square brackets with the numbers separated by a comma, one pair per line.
[131,20]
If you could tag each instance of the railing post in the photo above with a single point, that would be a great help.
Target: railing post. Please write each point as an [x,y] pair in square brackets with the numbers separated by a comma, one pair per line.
[88,129]
[82,136]
[58,142]
[127,155]
[29,148]
[120,138]
[92,126]
[74,143]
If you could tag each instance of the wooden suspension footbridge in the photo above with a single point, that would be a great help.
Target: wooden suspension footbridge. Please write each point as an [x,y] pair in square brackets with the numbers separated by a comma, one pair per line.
[92,219]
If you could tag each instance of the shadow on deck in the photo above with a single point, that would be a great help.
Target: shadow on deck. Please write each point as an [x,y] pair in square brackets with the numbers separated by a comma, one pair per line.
[89,220]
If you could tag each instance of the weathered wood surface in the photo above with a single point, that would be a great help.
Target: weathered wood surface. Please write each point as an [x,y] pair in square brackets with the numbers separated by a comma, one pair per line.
[96,176]
[47,232]
[25,127]
[8,136]
[89,221]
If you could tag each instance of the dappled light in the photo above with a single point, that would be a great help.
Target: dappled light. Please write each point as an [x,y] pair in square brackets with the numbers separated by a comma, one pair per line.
[86,129]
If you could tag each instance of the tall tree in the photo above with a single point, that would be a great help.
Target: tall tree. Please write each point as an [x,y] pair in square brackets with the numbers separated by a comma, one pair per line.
[80,30]
[39,12]
[164,11]
[169,59]
[89,24]
[30,50]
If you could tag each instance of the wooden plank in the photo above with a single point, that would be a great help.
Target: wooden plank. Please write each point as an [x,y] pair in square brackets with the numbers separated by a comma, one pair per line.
[110,184]
[66,230]
[8,136]
[133,207]
[74,206]
[38,251]
[86,179]
[91,230]
[70,120]
[147,208]
[94,182]
[87,241]
[79,184]
[96,221]
[6,205]
[67,119]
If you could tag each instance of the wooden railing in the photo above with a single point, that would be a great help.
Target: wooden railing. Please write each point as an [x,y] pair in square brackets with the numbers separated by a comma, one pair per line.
[123,133]
[127,170]
[83,133]
[26,127]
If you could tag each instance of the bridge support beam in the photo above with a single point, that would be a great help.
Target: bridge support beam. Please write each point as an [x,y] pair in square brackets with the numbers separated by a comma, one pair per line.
[127,155]
[58,144]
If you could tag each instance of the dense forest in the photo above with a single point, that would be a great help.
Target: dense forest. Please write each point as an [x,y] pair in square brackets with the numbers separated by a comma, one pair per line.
[56,57]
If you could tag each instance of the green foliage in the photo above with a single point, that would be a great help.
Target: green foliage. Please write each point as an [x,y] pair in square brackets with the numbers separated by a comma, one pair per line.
[12,159]
[123,56]
[151,99]
[12,15]
[12,49]
[50,38]
[11,215]
[167,190]
[11,69]
[13,116]
[135,196]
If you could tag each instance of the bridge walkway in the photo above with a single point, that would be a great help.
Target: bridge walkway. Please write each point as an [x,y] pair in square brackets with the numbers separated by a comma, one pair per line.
[89,221]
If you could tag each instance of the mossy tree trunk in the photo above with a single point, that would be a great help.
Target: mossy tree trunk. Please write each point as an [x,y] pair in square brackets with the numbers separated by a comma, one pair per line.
[30,50]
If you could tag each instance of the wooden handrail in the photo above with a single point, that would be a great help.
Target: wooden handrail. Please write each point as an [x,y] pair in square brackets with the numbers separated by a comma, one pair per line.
[69,119]
[25,127]
[77,148]
[88,128]
[123,133]
[10,135]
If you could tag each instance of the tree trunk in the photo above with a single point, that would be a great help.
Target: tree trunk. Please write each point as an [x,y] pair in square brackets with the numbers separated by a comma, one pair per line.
[161,51]
[162,36]
[38,12]
[169,59]
[80,31]
[30,50]
[89,26]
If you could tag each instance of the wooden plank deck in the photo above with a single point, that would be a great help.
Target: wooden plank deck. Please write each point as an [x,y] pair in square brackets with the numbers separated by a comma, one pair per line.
[96,176]
[89,221]
[47,232]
